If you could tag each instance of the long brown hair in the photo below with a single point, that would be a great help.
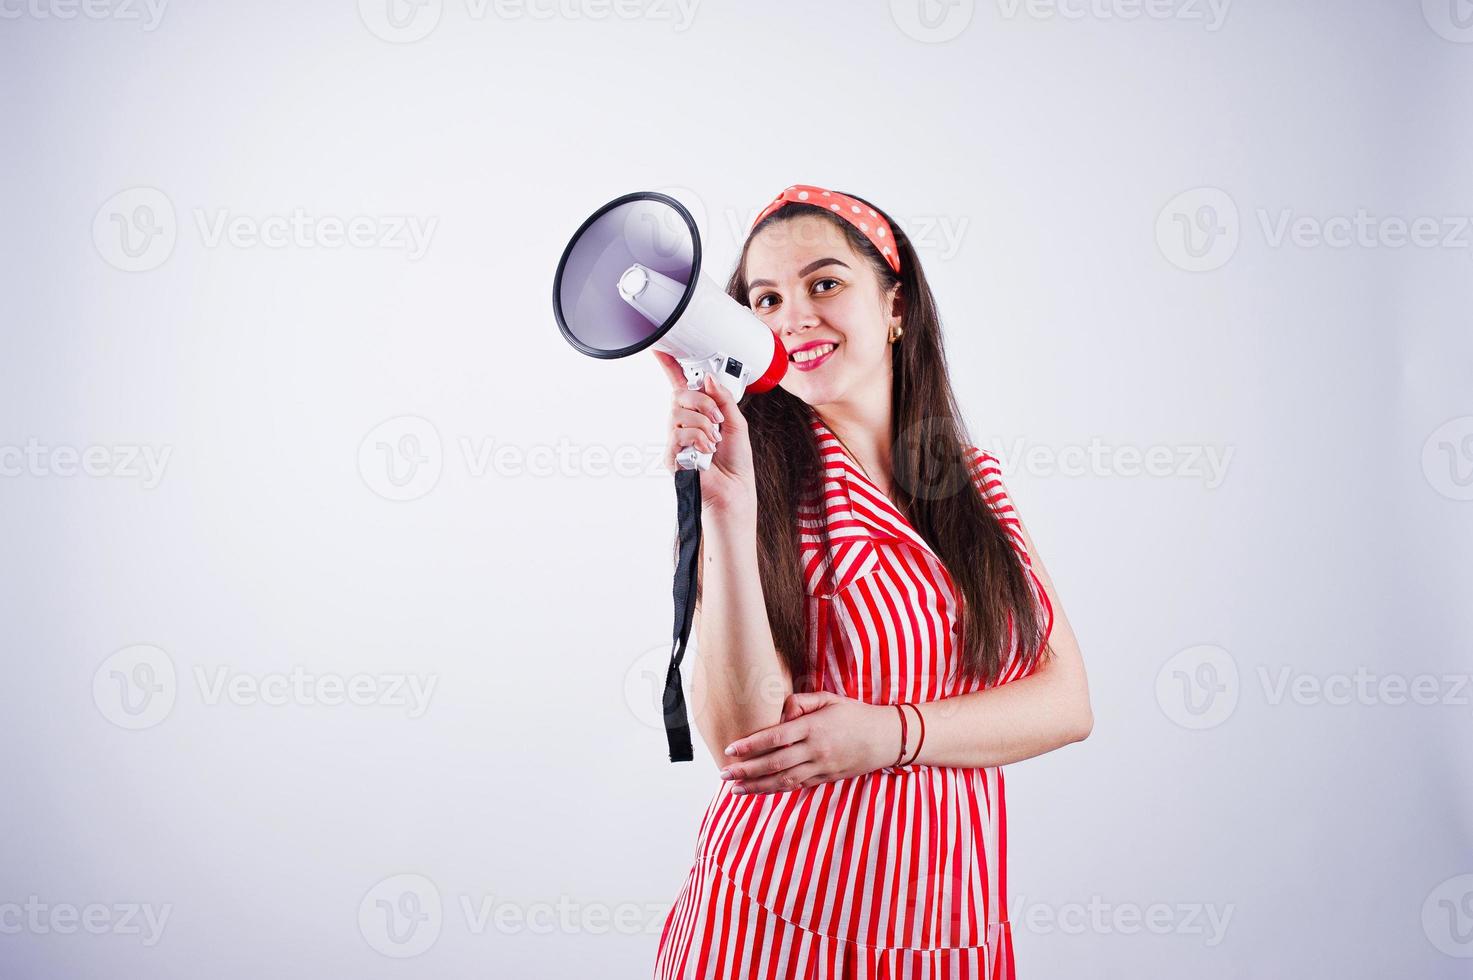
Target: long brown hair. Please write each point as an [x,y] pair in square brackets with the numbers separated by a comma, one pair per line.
[932,477]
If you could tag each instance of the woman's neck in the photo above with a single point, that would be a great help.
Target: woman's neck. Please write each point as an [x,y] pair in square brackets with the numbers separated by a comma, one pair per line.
[864,430]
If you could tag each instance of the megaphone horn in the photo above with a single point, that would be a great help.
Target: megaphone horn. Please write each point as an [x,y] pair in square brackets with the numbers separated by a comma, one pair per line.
[630,278]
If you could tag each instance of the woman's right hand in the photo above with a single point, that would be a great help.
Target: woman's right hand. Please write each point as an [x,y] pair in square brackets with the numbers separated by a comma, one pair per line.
[730,485]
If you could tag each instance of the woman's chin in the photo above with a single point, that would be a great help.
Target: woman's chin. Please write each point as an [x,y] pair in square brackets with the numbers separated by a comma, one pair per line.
[820,386]
[813,391]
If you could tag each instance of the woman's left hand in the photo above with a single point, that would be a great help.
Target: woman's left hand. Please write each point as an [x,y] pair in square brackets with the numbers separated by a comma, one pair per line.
[822,737]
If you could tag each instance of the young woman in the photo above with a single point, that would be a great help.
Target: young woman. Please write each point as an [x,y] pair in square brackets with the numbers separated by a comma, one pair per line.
[876,634]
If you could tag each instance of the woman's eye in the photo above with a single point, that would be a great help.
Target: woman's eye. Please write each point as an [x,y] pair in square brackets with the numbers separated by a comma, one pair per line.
[761,302]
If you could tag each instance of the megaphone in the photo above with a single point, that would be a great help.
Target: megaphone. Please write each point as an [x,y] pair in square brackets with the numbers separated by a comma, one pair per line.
[631,278]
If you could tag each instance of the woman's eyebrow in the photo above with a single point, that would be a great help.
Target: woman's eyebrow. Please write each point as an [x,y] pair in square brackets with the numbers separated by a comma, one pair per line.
[815,264]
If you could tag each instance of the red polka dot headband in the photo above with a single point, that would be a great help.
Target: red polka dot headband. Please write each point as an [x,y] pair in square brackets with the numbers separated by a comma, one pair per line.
[869,221]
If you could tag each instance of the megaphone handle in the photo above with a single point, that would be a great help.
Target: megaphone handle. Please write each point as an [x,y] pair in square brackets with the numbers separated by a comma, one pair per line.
[691,458]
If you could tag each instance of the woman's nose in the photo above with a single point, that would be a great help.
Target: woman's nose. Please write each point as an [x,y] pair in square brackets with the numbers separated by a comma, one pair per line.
[798,316]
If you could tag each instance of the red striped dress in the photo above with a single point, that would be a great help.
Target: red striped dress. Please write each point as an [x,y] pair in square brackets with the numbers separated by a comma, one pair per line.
[900,872]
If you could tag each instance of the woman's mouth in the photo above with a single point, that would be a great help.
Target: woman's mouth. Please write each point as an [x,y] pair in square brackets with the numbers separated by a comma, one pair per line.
[807,360]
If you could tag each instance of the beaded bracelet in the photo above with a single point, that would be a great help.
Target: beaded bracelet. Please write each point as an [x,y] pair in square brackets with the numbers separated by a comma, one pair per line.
[922,741]
[903,726]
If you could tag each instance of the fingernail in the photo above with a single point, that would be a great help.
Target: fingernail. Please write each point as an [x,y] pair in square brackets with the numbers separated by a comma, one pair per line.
[724,774]
[731,749]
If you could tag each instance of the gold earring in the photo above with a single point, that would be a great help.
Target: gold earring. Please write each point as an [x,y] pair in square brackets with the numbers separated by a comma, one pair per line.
[895,334]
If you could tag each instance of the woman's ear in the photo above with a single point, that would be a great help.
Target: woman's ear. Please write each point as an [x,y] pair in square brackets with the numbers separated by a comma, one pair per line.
[896,300]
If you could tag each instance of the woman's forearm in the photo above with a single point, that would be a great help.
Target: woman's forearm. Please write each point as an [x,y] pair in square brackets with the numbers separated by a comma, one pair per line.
[739,682]
[1018,720]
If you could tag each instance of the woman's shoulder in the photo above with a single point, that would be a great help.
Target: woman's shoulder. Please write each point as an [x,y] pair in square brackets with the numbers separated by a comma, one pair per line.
[988,478]
[986,472]
[978,455]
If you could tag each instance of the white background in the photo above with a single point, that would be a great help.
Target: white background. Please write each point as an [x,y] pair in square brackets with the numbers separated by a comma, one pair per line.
[1038,154]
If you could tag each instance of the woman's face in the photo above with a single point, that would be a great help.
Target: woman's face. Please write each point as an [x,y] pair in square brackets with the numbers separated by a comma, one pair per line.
[813,290]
